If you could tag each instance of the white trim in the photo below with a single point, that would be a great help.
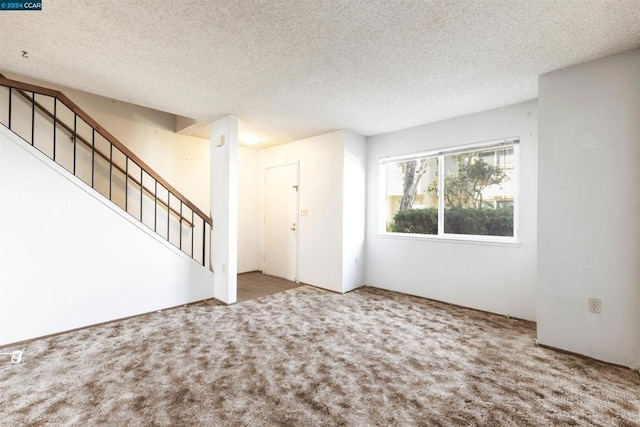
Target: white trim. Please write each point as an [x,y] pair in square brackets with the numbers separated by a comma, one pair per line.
[514,140]
[473,239]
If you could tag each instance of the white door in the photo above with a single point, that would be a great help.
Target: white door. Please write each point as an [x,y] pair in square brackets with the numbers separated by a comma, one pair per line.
[281,222]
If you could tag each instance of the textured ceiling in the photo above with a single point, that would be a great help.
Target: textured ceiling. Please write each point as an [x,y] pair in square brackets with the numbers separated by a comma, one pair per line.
[297,68]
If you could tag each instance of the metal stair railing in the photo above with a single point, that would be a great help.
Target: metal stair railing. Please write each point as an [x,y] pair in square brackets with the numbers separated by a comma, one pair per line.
[52,123]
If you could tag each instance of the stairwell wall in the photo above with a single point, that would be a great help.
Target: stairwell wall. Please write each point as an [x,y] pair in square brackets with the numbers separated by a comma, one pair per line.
[69,258]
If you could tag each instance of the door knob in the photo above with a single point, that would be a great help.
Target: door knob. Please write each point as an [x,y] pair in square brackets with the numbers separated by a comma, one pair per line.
[293,227]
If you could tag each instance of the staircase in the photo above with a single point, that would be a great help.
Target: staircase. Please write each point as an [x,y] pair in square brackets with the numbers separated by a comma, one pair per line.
[89,233]
[51,123]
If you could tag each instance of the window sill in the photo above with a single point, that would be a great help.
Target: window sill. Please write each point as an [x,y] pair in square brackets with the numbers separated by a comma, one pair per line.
[456,238]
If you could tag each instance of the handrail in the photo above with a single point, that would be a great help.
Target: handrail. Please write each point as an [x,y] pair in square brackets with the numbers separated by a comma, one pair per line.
[101,154]
[107,135]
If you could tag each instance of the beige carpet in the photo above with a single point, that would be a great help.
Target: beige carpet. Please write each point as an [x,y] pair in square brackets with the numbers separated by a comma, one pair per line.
[306,357]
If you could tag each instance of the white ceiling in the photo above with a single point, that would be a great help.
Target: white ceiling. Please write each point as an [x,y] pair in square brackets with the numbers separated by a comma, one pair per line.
[297,68]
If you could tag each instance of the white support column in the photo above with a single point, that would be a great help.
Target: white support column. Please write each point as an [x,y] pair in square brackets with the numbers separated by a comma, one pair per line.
[224,207]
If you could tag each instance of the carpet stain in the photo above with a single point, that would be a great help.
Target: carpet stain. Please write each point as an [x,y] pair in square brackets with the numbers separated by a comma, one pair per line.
[307,357]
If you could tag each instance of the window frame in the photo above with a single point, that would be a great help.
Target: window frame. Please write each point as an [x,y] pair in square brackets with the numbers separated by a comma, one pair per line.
[440,154]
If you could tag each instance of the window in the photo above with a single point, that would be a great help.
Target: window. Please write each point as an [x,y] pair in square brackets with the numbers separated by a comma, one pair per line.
[468,191]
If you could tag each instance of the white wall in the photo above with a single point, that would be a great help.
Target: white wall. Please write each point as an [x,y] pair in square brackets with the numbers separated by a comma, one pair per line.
[68,259]
[331,175]
[588,209]
[499,278]
[182,160]
[249,187]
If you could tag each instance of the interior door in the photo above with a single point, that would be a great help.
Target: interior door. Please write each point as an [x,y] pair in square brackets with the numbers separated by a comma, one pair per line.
[281,222]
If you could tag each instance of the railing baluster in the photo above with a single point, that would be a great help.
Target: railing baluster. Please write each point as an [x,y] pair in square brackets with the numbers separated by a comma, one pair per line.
[110,170]
[9,121]
[168,215]
[55,122]
[126,184]
[180,223]
[141,190]
[33,117]
[93,158]
[155,206]
[192,232]
[75,139]
[204,240]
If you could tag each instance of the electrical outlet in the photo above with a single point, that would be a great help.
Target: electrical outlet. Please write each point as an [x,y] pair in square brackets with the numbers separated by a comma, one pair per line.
[595,305]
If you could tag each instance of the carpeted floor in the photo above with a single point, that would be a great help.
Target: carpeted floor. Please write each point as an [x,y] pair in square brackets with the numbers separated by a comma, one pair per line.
[307,357]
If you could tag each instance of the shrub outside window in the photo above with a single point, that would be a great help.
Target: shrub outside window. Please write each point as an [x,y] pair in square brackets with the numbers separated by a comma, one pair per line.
[467,191]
